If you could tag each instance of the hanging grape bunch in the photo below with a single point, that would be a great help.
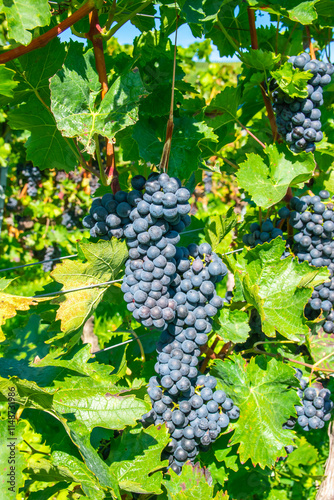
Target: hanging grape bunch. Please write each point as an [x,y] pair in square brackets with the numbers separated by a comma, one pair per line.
[315,408]
[33,177]
[298,119]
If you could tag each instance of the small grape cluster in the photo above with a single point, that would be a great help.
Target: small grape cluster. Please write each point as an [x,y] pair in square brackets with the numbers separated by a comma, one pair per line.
[51,252]
[207,179]
[33,177]
[12,204]
[298,120]
[313,218]
[268,231]
[315,409]
[194,420]
[71,216]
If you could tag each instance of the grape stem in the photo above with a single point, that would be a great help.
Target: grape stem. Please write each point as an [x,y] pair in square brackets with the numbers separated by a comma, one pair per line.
[310,44]
[44,39]
[267,102]
[320,361]
[110,176]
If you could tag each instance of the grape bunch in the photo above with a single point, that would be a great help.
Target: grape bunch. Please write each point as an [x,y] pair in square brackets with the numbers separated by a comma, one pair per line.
[313,219]
[207,179]
[194,420]
[33,177]
[71,216]
[298,120]
[194,414]
[315,409]
[51,252]
[12,204]
[268,231]
[109,215]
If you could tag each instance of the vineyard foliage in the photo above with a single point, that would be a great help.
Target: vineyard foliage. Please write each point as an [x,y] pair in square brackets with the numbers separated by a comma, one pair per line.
[80,119]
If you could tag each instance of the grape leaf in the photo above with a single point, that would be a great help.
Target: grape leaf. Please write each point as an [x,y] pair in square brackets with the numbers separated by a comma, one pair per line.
[11,460]
[304,454]
[218,227]
[104,261]
[278,289]
[75,102]
[260,59]
[321,347]
[191,484]
[7,84]
[46,147]
[24,16]
[10,304]
[234,326]
[223,108]
[291,80]
[260,388]
[304,12]
[65,467]
[135,457]
[267,183]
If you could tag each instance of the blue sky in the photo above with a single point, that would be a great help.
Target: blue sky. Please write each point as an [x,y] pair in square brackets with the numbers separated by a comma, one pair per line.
[184,37]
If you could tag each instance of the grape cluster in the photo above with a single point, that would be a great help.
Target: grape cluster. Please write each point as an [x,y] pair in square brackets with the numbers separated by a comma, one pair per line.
[51,252]
[71,216]
[12,204]
[194,420]
[298,120]
[313,219]
[152,236]
[109,215]
[315,409]
[267,231]
[183,399]
[33,177]
[207,179]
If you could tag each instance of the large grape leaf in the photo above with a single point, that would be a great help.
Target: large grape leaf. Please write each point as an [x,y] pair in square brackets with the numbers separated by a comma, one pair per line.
[267,183]
[260,59]
[10,304]
[11,460]
[136,456]
[260,388]
[7,84]
[278,289]
[24,16]
[104,262]
[76,104]
[33,70]
[46,147]
[296,10]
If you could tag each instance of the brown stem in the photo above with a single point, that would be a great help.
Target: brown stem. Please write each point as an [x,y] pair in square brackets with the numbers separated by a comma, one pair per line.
[44,39]
[210,354]
[267,102]
[94,35]
[170,124]
[310,44]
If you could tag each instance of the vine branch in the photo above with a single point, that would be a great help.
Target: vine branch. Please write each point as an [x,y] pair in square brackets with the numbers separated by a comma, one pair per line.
[267,102]
[310,44]
[95,36]
[44,39]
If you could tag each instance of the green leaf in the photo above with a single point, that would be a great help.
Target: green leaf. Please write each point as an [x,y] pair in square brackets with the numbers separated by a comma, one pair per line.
[135,459]
[261,390]
[12,462]
[24,16]
[7,84]
[305,454]
[218,227]
[291,80]
[75,95]
[278,289]
[234,325]
[223,108]
[65,467]
[267,183]
[260,59]
[191,484]
[304,12]
[46,147]
[104,261]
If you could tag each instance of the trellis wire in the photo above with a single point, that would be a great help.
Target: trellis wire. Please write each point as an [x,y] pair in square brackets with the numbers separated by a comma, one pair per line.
[122,343]
[54,294]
